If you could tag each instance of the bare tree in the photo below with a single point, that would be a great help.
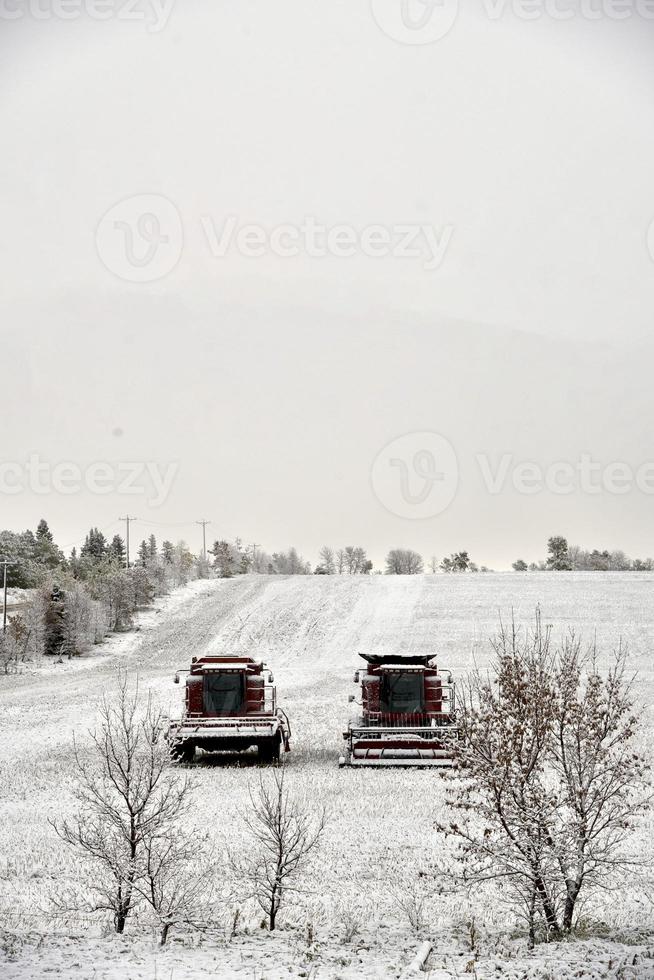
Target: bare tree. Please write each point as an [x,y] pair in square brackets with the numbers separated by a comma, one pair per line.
[356,561]
[403,561]
[14,642]
[177,888]
[601,777]
[127,797]
[182,563]
[284,833]
[112,589]
[326,557]
[551,786]
[505,720]
[79,623]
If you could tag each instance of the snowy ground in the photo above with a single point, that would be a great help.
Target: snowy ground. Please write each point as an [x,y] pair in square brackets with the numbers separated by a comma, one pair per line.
[380,835]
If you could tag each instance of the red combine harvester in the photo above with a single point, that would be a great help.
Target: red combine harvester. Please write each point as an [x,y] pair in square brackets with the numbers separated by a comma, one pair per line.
[231,706]
[408,715]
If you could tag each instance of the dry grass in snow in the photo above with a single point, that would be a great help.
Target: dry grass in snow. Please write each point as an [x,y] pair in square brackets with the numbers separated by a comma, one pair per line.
[371,893]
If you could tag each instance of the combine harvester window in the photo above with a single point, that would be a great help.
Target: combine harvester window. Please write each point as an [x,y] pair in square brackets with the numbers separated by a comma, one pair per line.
[402,693]
[224,694]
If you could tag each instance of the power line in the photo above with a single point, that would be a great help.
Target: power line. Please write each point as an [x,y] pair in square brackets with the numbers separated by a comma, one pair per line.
[128,521]
[5,562]
[167,523]
[254,555]
[204,536]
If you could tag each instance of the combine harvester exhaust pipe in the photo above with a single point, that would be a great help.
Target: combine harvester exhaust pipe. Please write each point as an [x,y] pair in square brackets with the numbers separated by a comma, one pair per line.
[408,715]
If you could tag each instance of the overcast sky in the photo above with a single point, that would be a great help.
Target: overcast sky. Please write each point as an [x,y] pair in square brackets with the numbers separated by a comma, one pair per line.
[302,388]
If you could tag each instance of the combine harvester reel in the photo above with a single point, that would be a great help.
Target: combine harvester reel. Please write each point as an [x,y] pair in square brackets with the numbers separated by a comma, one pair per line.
[230,706]
[408,715]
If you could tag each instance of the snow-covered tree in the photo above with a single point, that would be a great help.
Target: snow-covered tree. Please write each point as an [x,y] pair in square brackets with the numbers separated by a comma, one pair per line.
[128,803]
[95,545]
[224,560]
[552,781]
[403,561]
[144,553]
[327,560]
[290,563]
[116,551]
[284,830]
[557,554]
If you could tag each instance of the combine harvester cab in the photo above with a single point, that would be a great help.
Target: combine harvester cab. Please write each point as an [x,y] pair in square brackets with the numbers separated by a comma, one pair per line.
[408,715]
[230,706]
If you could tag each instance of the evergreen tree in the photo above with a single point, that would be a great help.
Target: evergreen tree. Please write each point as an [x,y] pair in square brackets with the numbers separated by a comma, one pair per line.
[20,550]
[74,564]
[152,547]
[223,559]
[144,553]
[558,558]
[54,622]
[43,532]
[46,553]
[116,551]
[95,545]
[168,552]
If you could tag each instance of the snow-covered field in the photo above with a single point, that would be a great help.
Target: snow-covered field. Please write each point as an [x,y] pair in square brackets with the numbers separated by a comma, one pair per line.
[380,835]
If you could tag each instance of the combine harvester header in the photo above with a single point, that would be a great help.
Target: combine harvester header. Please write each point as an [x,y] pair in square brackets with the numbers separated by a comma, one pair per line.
[408,715]
[230,706]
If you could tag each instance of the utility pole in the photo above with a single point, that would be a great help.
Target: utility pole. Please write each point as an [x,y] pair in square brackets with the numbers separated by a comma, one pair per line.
[254,554]
[128,521]
[4,562]
[204,536]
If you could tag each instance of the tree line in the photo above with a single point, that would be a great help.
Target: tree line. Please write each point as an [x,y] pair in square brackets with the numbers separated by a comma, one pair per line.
[562,557]
[76,602]
[232,558]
